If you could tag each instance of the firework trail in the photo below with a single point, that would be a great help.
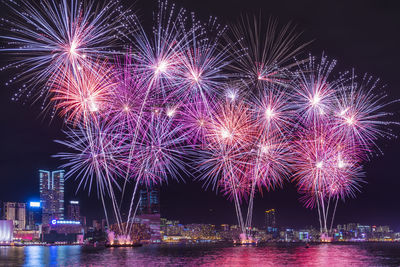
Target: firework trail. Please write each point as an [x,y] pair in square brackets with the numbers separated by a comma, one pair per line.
[156,57]
[158,54]
[95,158]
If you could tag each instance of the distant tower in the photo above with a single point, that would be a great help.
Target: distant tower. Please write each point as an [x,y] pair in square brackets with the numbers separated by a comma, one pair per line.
[149,211]
[52,195]
[74,211]
[270,219]
[15,212]
[34,215]
[149,200]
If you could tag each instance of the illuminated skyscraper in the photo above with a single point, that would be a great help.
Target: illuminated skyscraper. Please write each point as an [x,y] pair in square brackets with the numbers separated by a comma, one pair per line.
[270,219]
[34,215]
[74,211]
[149,200]
[52,195]
[149,210]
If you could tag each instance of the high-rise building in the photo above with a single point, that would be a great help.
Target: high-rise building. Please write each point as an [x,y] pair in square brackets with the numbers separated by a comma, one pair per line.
[15,212]
[9,211]
[270,219]
[149,200]
[149,210]
[34,215]
[52,195]
[73,211]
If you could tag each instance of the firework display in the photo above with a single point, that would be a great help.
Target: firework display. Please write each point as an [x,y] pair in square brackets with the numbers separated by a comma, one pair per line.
[232,105]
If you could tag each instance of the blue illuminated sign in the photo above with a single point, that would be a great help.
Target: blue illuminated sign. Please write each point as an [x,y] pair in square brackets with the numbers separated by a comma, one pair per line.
[64,222]
[34,204]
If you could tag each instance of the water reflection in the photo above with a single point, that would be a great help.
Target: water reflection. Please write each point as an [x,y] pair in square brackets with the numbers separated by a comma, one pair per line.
[190,255]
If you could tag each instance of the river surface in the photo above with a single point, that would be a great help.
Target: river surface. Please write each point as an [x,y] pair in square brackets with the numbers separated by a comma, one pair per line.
[327,255]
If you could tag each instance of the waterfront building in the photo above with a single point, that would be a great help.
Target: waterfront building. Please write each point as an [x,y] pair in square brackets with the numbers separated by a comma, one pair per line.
[289,235]
[52,195]
[68,231]
[26,235]
[225,227]
[152,222]
[73,211]
[383,229]
[171,228]
[304,235]
[200,231]
[15,212]
[96,225]
[351,227]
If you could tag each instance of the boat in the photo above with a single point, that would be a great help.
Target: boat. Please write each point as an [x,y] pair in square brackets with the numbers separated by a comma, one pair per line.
[123,245]
[245,242]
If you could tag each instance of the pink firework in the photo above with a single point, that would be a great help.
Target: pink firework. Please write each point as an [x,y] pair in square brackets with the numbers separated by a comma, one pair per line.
[202,61]
[79,96]
[94,156]
[360,116]
[125,106]
[158,55]
[273,110]
[315,90]
[271,157]
[231,125]
[158,151]
[196,120]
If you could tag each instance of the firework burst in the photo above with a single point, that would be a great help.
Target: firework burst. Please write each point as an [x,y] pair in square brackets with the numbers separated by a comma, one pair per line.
[264,53]
[52,38]
[84,94]
[360,115]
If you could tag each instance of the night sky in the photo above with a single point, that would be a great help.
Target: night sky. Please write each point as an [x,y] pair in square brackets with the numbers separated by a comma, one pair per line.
[360,34]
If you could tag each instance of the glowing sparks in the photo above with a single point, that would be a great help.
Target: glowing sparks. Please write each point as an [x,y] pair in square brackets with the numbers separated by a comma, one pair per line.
[72,48]
[226,134]
[319,164]
[161,67]
[315,100]
[171,111]
[195,77]
[269,113]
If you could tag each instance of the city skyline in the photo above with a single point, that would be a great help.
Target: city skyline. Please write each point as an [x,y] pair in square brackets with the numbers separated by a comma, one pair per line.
[152,204]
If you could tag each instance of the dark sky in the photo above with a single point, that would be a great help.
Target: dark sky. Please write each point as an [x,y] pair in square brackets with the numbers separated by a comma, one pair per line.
[359,34]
